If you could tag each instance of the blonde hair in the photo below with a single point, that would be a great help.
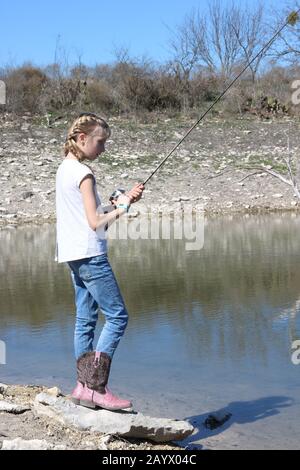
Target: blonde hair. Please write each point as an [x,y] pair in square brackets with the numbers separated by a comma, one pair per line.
[86,123]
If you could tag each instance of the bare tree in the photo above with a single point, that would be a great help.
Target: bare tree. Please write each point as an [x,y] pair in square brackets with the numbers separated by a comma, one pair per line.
[288,48]
[225,43]
[184,46]
[226,37]
[250,30]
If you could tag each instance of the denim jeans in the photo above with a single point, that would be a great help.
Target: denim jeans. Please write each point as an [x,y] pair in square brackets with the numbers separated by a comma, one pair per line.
[96,287]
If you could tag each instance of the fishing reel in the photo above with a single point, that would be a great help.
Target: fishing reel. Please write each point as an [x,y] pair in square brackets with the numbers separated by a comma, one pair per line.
[115,195]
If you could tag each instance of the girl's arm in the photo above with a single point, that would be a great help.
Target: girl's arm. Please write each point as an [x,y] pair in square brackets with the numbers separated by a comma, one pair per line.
[107,209]
[96,220]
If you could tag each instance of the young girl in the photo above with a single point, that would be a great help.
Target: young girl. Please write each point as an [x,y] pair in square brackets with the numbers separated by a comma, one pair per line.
[81,242]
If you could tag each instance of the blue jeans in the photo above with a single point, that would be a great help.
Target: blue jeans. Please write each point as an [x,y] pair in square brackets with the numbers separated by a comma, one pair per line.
[96,287]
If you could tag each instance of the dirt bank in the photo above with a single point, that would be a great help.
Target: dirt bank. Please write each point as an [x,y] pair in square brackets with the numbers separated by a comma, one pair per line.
[209,170]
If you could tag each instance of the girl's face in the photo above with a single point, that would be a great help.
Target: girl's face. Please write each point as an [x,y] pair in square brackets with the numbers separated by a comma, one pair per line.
[92,145]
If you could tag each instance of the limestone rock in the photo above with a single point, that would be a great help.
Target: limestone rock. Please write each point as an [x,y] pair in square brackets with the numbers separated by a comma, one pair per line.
[12,407]
[3,388]
[124,423]
[34,444]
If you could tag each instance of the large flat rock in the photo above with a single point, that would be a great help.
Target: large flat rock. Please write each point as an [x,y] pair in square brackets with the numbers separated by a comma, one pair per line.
[122,423]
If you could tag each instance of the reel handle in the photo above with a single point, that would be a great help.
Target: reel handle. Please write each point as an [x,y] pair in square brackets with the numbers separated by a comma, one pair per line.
[116,194]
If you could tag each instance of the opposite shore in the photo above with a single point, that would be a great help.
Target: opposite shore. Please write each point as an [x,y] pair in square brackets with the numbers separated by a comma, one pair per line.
[214,171]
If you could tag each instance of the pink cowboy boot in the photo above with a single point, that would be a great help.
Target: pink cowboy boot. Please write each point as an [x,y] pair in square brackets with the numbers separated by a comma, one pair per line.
[81,376]
[96,393]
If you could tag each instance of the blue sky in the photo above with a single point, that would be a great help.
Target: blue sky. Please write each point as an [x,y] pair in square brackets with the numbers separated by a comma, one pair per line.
[91,30]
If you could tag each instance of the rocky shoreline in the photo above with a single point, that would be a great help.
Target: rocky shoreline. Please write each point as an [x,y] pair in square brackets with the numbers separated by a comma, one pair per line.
[208,173]
[37,418]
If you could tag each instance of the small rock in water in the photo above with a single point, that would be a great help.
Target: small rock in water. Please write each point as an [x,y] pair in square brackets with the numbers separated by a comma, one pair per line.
[216,420]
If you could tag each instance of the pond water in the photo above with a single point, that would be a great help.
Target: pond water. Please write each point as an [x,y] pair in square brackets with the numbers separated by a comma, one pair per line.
[209,330]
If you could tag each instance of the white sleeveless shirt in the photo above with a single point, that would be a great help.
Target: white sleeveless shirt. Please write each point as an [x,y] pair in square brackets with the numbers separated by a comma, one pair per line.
[74,237]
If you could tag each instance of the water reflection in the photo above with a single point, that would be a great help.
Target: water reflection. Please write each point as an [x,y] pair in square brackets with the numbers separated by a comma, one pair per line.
[32,288]
[222,298]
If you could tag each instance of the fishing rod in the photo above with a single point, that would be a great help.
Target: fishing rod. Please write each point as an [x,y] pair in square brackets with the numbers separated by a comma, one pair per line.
[291,20]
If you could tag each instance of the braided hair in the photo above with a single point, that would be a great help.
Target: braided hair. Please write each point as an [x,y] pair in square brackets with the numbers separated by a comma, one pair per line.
[86,123]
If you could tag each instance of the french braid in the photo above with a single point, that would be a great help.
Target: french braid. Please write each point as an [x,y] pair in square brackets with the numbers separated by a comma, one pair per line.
[85,123]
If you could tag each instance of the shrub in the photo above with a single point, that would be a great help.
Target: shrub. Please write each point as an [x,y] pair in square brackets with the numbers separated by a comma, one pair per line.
[24,87]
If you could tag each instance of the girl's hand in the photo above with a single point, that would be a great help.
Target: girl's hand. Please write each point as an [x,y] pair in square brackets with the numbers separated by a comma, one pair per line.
[135,193]
[123,199]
